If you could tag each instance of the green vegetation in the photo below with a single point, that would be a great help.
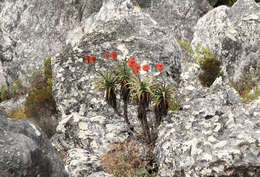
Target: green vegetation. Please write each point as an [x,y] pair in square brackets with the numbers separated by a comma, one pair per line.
[162,93]
[211,70]
[209,64]
[247,86]
[125,79]
[40,104]
[18,115]
[14,91]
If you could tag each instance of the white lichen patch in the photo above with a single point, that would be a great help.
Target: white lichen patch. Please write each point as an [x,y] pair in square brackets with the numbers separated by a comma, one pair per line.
[38,133]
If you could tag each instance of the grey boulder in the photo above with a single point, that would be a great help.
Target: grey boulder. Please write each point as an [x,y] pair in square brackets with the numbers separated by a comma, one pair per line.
[25,151]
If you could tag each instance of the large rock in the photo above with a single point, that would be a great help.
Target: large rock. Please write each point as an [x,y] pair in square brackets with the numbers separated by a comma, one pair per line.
[119,26]
[233,35]
[213,135]
[25,151]
[32,31]
[178,17]
[84,140]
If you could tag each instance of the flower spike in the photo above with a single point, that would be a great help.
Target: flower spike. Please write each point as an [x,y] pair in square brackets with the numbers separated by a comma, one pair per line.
[160,67]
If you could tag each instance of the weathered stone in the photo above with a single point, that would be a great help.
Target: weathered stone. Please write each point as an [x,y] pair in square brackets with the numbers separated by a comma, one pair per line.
[13,104]
[85,140]
[117,27]
[233,36]
[178,17]
[100,174]
[26,151]
[32,31]
[214,134]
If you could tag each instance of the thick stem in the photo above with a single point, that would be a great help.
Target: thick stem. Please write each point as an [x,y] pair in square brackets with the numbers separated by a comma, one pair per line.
[143,120]
[126,116]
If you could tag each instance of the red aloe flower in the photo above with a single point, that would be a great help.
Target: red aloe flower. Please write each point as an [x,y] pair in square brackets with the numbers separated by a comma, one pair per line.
[131,62]
[106,55]
[113,55]
[92,59]
[136,68]
[160,67]
[87,59]
[146,67]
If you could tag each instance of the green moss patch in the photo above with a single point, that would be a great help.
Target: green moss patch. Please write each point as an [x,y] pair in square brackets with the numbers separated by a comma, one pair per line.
[211,70]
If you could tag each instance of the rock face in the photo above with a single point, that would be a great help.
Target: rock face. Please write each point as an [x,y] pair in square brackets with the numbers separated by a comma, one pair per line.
[26,152]
[85,139]
[232,34]
[119,26]
[179,17]
[32,31]
[214,135]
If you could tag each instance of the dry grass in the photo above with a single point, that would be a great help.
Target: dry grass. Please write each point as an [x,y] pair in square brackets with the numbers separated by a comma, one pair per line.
[124,160]
[18,114]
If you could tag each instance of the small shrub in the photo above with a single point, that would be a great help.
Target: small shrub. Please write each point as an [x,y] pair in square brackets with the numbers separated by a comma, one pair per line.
[40,104]
[211,70]
[247,86]
[125,161]
[17,89]
[124,78]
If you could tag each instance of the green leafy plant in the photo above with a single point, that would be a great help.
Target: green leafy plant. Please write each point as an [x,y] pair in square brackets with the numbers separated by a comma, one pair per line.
[163,95]
[108,82]
[142,92]
[124,78]
[123,74]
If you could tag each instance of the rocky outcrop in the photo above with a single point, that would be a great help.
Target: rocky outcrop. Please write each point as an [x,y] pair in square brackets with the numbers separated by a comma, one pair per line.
[84,140]
[232,34]
[178,17]
[119,27]
[26,151]
[214,135]
[33,31]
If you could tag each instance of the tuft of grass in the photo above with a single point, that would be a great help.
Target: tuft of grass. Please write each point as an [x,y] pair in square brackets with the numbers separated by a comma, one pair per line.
[18,114]
[248,97]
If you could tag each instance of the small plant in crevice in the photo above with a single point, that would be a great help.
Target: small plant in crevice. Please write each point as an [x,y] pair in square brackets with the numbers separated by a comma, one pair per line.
[163,97]
[14,90]
[40,104]
[202,56]
[125,160]
[211,70]
[248,86]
